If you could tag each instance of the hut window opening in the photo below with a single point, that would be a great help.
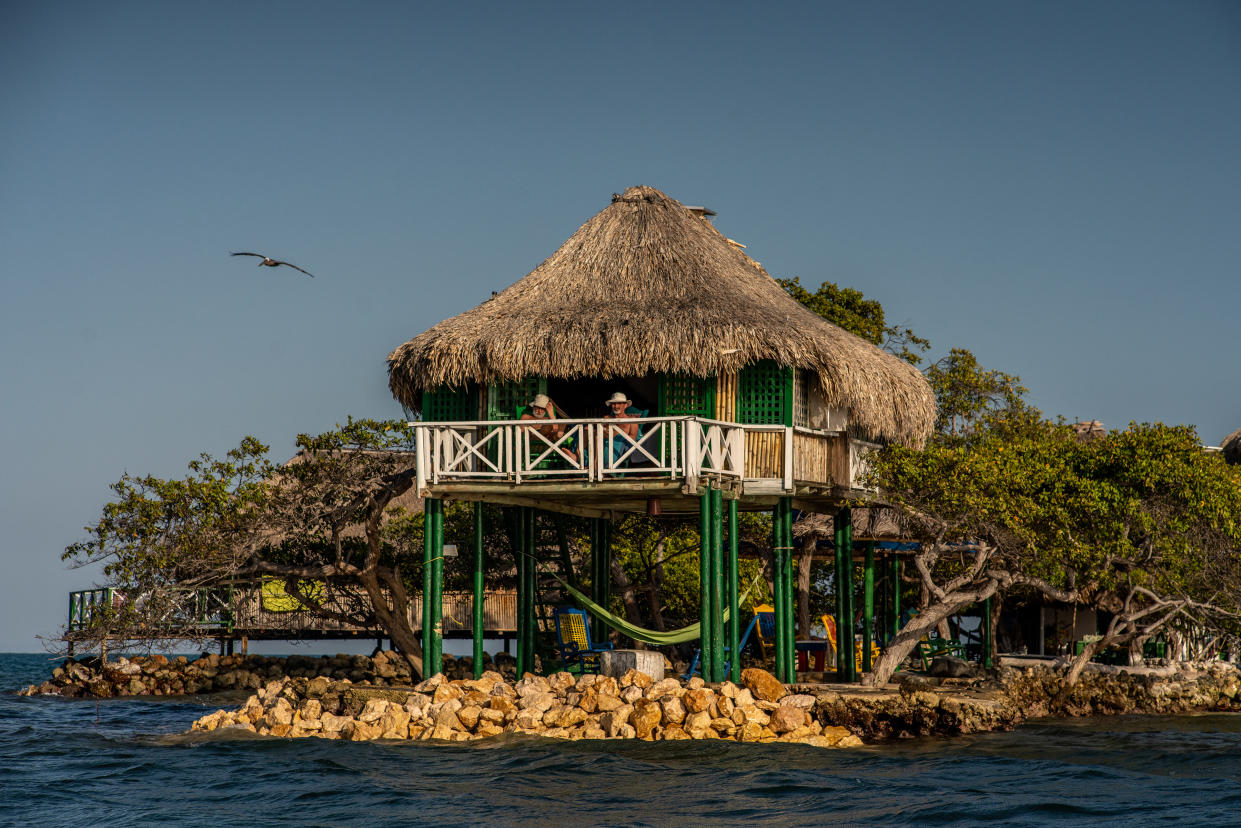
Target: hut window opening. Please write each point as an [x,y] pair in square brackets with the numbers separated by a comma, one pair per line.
[765,394]
[801,398]
[585,397]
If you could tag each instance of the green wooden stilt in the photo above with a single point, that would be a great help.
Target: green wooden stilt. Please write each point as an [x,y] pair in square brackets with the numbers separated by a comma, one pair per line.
[850,645]
[431,553]
[734,609]
[717,586]
[437,605]
[986,634]
[790,592]
[706,651]
[428,577]
[777,559]
[868,606]
[838,541]
[479,594]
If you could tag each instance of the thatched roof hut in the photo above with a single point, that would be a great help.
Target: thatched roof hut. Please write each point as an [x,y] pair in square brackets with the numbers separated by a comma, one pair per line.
[648,286]
[1232,447]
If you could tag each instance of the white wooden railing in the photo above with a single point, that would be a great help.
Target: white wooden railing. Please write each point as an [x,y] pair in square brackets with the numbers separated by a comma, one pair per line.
[598,450]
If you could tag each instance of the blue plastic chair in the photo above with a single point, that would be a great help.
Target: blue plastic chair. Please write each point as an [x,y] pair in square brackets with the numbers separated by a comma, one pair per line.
[694,668]
[573,640]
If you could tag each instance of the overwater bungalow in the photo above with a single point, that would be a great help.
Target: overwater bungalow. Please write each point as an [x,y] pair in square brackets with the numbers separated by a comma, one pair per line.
[731,397]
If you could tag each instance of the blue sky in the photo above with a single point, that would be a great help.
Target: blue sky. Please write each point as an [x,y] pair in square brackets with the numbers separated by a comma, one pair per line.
[1051,185]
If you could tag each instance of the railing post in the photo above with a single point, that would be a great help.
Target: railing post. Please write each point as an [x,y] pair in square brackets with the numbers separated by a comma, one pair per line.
[420,459]
[788,458]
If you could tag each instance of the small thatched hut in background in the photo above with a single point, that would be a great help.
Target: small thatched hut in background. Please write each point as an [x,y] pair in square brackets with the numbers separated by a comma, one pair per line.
[1232,447]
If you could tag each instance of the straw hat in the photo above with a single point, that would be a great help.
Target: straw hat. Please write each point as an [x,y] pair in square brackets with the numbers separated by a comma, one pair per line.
[619,397]
[541,401]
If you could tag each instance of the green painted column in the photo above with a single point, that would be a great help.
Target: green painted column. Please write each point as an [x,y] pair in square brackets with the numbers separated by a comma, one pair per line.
[432,553]
[705,649]
[438,605]
[601,552]
[986,634]
[790,592]
[734,609]
[778,588]
[838,543]
[479,593]
[717,585]
[868,606]
[849,641]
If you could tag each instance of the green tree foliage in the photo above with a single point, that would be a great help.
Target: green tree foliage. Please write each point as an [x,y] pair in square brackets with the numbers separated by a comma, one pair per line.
[965,391]
[847,308]
[1140,523]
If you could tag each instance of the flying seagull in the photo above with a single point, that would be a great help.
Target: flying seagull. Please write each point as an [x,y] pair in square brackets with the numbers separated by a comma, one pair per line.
[268,262]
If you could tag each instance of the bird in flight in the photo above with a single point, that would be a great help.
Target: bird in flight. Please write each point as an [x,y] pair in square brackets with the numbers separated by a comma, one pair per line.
[269,262]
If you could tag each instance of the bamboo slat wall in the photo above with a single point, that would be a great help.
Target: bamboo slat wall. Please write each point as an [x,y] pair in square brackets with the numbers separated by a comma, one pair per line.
[821,458]
[764,454]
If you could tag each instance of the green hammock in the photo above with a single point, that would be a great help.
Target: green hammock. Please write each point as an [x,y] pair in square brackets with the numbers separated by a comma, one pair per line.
[690,633]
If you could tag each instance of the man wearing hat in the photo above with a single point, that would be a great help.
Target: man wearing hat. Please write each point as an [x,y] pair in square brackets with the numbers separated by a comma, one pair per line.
[618,409]
[542,408]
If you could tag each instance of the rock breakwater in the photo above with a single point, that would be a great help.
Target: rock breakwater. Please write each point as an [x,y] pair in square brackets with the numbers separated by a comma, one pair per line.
[159,675]
[560,706]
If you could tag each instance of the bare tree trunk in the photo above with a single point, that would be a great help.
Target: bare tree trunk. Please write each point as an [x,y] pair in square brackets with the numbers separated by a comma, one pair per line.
[656,593]
[803,586]
[627,597]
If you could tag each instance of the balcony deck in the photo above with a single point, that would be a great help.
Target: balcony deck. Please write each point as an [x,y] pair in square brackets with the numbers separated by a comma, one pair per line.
[593,469]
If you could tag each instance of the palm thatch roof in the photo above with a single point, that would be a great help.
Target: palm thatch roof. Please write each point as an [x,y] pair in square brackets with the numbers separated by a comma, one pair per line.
[649,286]
[1232,447]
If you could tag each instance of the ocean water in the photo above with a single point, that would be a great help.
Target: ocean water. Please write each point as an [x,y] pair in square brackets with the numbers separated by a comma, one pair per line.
[130,762]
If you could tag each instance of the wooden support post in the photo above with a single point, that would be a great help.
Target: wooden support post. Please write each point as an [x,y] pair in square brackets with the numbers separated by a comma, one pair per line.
[601,571]
[245,646]
[717,586]
[734,609]
[705,648]
[523,559]
[868,606]
[479,594]
[850,644]
[778,587]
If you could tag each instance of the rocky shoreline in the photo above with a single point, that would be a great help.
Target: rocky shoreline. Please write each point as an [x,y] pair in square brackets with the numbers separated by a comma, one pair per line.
[362,698]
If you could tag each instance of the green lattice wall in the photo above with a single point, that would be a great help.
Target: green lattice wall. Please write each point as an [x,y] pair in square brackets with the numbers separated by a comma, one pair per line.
[505,399]
[681,395]
[765,394]
[445,405]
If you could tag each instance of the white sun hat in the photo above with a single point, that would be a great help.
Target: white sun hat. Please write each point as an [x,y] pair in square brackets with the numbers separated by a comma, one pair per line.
[619,397]
[541,401]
